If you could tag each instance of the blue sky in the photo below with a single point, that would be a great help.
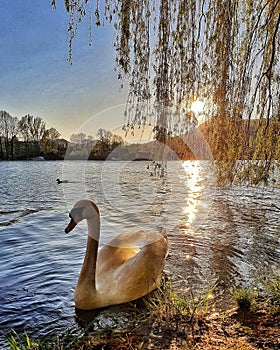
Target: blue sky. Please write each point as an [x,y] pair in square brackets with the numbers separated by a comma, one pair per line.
[36,78]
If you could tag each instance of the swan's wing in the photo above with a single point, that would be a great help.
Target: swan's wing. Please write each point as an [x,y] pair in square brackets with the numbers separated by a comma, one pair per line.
[118,250]
[123,274]
[137,275]
[123,248]
[128,239]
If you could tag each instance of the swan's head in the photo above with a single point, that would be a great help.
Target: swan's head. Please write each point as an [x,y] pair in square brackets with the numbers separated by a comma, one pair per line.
[84,209]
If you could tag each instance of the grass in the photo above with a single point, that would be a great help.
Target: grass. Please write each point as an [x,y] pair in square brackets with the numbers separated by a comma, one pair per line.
[273,288]
[168,303]
[20,342]
[245,297]
[167,320]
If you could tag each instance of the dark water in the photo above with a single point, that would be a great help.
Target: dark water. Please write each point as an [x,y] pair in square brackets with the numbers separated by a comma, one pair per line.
[229,235]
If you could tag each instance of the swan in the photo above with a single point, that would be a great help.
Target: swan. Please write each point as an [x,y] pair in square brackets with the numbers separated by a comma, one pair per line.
[120,272]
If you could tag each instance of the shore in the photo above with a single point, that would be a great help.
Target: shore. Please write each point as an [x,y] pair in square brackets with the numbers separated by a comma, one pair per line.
[167,321]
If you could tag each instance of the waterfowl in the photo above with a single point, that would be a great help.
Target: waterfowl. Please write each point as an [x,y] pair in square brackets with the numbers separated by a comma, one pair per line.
[120,271]
[61,181]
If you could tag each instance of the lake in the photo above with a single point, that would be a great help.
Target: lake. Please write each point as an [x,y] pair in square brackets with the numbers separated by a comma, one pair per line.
[229,235]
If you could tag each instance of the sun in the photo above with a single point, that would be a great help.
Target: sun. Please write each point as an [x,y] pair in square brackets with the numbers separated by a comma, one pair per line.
[197,106]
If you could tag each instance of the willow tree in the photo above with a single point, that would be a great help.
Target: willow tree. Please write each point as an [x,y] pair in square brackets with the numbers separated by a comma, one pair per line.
[222,52]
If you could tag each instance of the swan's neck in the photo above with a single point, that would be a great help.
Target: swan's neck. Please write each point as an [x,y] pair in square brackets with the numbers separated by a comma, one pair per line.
[89,266]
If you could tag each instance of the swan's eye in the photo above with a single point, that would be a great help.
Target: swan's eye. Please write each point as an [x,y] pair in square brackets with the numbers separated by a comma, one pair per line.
[76,214]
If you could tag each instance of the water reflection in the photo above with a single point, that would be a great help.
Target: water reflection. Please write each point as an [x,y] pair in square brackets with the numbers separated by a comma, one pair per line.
[223,246]
[189,240]
[194,190]
[230,235]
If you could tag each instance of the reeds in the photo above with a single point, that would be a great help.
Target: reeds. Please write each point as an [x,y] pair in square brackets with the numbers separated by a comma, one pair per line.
[20,342]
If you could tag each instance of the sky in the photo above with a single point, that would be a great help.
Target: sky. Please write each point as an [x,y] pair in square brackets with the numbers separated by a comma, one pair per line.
[36,77]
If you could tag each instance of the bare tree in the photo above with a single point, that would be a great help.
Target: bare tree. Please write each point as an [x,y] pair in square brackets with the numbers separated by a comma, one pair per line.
[32,128]
[105,136]
[80,138]
[37,128]
[9,131]
[50,144]
[52,134]
[24,127]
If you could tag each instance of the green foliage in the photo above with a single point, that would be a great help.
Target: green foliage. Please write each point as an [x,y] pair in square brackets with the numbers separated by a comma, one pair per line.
[20,342]
[169,303]
[245,297]
[273,288]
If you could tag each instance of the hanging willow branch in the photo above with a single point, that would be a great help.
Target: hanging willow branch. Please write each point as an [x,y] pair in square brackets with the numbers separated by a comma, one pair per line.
[224,52]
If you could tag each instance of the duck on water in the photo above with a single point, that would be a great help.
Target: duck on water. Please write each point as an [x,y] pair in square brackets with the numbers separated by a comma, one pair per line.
[61,181]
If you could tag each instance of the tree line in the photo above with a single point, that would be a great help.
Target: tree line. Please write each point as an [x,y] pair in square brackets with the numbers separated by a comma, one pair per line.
[28,137]
[86,147]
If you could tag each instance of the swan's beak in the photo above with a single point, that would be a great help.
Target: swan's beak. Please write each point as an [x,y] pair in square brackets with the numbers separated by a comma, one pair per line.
[70,226]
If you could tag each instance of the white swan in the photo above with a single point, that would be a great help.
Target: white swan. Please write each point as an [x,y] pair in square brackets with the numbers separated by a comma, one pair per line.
[120,271]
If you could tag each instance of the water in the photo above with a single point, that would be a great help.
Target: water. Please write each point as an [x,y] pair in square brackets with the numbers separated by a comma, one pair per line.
[226,235]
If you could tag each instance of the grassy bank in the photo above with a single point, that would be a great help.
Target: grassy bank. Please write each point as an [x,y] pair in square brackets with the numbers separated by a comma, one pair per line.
[166,320]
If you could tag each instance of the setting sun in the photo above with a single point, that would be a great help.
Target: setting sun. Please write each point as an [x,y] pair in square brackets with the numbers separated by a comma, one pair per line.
[197,106]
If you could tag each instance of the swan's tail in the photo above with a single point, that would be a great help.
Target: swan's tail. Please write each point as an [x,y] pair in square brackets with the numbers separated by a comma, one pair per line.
[164,233]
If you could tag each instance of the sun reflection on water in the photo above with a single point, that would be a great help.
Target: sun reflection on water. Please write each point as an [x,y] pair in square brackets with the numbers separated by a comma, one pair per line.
[195,187]
[188,257]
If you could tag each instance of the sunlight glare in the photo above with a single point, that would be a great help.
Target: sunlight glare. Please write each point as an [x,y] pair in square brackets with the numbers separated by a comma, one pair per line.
[197,106]
[195,188]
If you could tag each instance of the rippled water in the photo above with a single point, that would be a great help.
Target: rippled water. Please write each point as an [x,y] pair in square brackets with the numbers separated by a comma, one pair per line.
[229,235]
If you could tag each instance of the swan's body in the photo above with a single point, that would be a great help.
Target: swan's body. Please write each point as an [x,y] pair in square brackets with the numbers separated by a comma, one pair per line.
[120,271]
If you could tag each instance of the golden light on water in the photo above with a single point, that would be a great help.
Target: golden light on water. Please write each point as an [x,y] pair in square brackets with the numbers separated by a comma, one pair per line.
[193,184]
